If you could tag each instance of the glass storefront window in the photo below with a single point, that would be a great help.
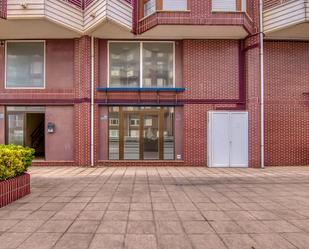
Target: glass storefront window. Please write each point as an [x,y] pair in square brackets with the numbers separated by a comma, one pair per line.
[141,133]
[113,134]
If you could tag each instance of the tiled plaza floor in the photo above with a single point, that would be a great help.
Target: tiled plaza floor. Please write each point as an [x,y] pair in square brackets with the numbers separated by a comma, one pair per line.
[162,208]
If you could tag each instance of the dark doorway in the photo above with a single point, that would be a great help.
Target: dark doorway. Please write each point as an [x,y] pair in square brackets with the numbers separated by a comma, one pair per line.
[35,134]
[26,127]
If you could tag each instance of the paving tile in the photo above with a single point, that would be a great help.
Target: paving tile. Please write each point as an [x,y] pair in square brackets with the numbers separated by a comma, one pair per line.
[271,241]
[27,226]
[281,226]
[302,224]
[96,206]
[7,224]
[140,207]
[76,206]
[215,216]
[116,215]
[115,227]
[237,241]
[83,226]
[90,215]
[166,215]
[197,227]
[175,241]
[16,214]
[185,206]
[264,215]
[137,207]
[240,215]
[140,215]
[12,240]
[207,241]
[168,206]
[253,226]
[74,240]
[190,215]
[119,206]
[300,240]
[31,206]
[54,226]
[169,227]
[107,241]
[205,206]
[40,241]
[141,227]
[52,206]
[138,241]
[41,215]
[226,227]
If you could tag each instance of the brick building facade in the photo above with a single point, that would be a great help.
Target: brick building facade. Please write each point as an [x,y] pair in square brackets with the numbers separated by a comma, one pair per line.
[154,83]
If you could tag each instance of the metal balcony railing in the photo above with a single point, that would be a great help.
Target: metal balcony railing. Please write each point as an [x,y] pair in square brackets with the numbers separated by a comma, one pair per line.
[3,9]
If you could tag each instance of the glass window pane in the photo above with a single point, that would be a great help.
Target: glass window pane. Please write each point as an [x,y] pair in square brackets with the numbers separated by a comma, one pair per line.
[113,140]
[158,64]
[168,133]
[124,64]
[25,64]
[16,129]
[131,136]
[175,4]
[149,7]
[151,137]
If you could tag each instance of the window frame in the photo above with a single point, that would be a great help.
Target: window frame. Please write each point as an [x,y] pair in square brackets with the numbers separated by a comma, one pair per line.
[173,10]
[141,62]
[6,61]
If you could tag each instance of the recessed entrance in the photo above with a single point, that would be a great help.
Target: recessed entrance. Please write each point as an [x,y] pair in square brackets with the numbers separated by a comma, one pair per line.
[141,133]
[25,126]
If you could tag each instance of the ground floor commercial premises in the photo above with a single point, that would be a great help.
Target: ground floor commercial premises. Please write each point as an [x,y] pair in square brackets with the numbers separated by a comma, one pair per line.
[171,102]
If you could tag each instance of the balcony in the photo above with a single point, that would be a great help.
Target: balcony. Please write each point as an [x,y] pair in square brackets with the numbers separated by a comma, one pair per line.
[286,19]
[65,18]
[194,19]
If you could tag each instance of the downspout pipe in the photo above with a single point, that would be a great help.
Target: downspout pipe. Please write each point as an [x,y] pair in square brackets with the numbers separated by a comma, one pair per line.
[262,83]
[92,105]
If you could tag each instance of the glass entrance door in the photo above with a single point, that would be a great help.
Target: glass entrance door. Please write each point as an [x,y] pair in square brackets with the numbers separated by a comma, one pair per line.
[151,137]
[16,129]
[131,136]
[141,133]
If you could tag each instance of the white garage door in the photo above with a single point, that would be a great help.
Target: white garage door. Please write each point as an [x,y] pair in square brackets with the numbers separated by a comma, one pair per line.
[228,139]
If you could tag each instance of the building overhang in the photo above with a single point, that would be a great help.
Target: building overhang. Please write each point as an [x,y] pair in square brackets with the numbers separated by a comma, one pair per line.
[195,32]
[34,29]
[287,21]
[62,19]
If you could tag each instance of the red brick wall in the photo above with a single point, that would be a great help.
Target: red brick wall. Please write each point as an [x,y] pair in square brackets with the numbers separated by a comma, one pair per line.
[286,105]
[211,69]
[211,72]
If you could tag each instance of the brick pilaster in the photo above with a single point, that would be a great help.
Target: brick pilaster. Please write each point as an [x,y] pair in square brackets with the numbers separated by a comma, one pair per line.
[82,92]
